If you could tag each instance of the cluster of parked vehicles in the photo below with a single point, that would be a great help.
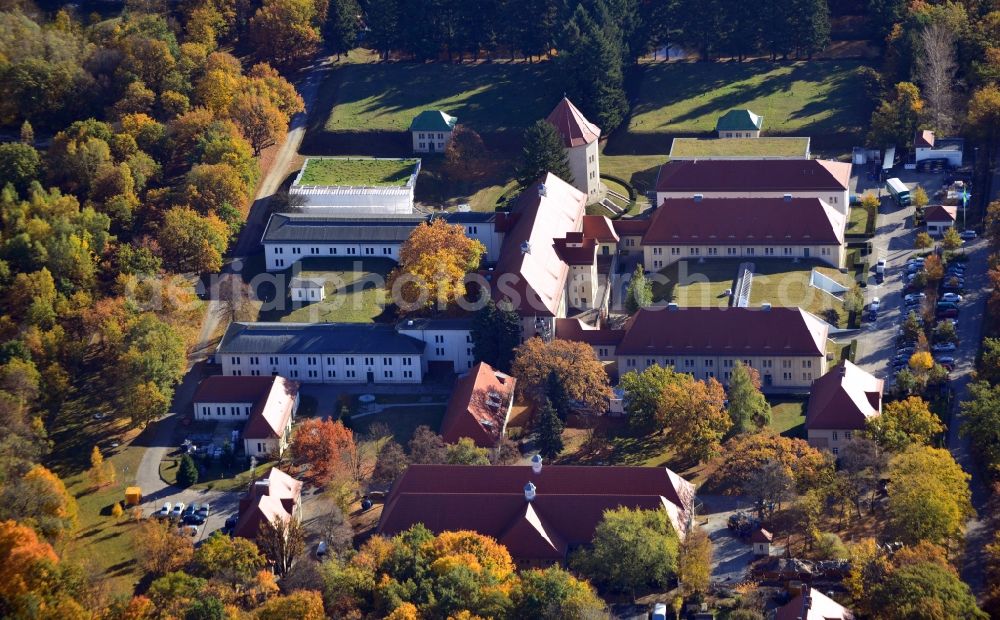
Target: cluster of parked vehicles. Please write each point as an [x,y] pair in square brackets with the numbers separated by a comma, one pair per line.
[189,518]
[946,311]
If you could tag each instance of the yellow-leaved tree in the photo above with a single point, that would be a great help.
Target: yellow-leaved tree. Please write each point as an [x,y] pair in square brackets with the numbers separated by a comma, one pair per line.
[433,263]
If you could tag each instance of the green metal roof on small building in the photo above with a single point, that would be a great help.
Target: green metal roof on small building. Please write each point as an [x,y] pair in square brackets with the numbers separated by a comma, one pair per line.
[739,120]
[433,120]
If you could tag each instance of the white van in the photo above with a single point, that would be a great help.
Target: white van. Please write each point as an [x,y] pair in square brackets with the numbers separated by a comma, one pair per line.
[659,611]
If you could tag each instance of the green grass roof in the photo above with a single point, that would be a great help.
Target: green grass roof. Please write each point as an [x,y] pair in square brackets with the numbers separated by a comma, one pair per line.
[361,172]
[739,147]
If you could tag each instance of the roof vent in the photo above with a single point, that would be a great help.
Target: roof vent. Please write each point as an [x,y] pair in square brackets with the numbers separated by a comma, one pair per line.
[525,247]
[788,197]
[698,197]
[542,190]
[536,463]
[529,491]
[765,306]
[672,306]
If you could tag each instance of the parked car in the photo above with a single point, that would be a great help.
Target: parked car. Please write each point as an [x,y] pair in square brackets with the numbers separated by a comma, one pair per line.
[204,510]
[917,297]
[874,305]
[880,269]
[916,259]
[190,530]
[177,511]
[946,360]
[164,512]
[952,297]
[905,350]
[942,305]
[230,524]
[967,234]
[947,313]
[190,510]
[944,347]
[321,550]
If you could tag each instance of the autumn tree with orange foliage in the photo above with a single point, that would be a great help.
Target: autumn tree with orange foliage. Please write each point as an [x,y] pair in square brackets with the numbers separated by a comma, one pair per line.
[934,268]
[574,365]
[31,576]
[164,547]
[40,499]
[323,448]
[744,455]
[433,263]
[694,417]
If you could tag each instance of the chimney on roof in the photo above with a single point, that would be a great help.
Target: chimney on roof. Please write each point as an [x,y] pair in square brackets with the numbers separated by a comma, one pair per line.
[698,197]
[529,491]
[766,306]
[542,190]
[525,247]
[536,463]
[788,197]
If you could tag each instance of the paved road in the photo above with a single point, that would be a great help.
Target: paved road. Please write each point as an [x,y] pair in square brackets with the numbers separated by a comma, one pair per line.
[308,86]
[730,555]
[894,240]
[161,439]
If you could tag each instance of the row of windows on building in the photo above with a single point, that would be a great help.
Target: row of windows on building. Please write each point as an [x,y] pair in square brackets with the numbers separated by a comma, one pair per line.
[221,411]
[350,251]
[331,374]
[313,360]
[422,135]
[632,362]
[423,145]
[696,251]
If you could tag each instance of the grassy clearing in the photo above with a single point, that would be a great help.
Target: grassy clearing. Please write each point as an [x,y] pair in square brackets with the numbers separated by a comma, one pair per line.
[367,172]
[639,170]
[355,292]
[857,221]
[106,547]
[788,416]
[696,284]
[214,475]
[785,283]
[740,147]
[612,442]
[487,97]
[402,421]
[802,98]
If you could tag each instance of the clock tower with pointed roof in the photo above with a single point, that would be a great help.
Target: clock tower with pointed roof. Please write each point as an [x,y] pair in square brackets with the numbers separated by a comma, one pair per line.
[580,138]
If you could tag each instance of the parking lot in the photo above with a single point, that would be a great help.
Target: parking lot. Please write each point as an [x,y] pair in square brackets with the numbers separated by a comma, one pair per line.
[880,350]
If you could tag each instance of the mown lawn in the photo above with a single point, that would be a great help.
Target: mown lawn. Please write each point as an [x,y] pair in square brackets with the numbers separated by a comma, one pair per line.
[486,97]
[739,147]
[355,292]
[786,283]
[402,421]
[362,171]
[214,475]
[639,170]
[788,416]
[696,284]
[795,98]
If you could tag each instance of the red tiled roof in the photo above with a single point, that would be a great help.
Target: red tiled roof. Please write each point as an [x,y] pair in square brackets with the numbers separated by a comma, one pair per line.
[274,496]
[572,126]
[799,221]
[537,278]
[631,226]
[574,249]
[761,535]
[600,228]
[753,175]
[273,400]
[844,398]
[813,605]
[225,389]
[940,213]
[924,139]
[568,504]
[578,331]
[724,331]
[471,412]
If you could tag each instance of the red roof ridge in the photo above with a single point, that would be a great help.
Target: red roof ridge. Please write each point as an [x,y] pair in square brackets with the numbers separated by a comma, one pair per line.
[572,125]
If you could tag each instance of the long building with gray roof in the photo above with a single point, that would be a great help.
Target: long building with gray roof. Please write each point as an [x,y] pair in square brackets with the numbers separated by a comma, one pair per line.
[322,352]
